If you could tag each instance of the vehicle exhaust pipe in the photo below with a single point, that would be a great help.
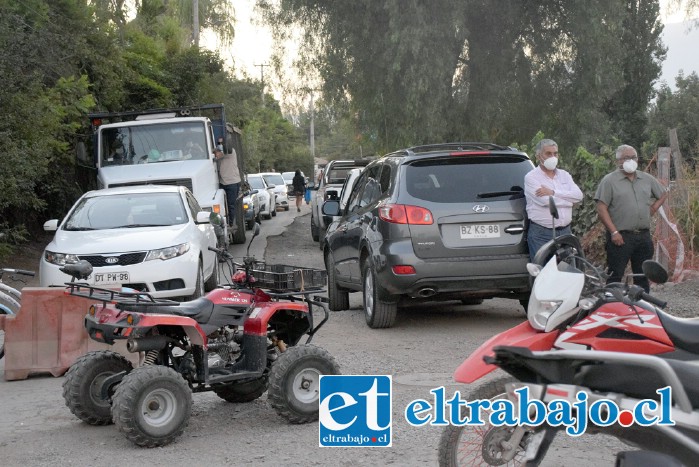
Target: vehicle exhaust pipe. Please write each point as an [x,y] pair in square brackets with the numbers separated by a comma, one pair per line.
[427,292]
[145,344]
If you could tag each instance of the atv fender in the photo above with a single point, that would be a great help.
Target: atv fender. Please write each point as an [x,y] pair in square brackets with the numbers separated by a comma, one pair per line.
[294,317]
[522,335]
[109,324]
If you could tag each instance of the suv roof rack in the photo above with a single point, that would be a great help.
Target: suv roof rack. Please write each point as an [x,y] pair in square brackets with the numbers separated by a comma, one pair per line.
[459,147]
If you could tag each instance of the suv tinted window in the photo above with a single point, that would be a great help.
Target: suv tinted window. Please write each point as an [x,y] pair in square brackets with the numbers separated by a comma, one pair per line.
[467,179]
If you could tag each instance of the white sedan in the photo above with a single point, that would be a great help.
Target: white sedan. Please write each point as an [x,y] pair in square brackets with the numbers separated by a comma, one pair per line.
[150,238]
[266,195]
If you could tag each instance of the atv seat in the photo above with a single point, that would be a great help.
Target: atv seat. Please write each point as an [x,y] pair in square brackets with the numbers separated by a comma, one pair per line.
[683,332]
[199,310]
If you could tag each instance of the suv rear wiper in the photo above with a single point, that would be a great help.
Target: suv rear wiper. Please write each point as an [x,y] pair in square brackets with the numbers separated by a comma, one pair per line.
[495,194]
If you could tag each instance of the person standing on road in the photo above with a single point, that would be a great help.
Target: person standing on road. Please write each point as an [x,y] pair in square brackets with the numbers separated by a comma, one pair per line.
[626,200]
[299,183]
[544,181]
[229,179]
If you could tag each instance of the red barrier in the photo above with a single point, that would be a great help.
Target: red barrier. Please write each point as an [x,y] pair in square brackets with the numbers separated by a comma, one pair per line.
[48,334]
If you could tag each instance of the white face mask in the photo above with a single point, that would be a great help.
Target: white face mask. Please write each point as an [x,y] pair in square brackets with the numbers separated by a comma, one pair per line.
[551,163]
[630,166]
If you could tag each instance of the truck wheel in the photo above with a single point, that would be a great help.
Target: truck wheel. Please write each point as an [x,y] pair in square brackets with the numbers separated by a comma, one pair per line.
[245,391]
[378,313]
[239,233]
[314,230]
[294,382]
[152,405]
[338,299]
[479,445]
[82,387]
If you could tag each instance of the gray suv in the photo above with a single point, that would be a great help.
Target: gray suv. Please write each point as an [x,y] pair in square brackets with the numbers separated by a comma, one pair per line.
[436,222]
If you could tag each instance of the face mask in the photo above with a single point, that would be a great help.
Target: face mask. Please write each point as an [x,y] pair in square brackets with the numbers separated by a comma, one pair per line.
[630,166]
[551,163]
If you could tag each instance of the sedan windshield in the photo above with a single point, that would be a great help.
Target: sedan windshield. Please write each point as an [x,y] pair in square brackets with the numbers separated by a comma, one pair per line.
[274,179]
[256,183]
[127,211]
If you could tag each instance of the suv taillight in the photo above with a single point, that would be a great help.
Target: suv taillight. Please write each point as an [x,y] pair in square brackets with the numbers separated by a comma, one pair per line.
[405,214]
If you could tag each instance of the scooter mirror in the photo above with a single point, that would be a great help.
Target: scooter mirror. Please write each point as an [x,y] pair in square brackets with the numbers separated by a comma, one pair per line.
[654,271]
[552,208]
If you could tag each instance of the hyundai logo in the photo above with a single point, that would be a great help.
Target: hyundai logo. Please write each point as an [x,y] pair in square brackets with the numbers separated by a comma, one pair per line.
[111,260]
[480,208]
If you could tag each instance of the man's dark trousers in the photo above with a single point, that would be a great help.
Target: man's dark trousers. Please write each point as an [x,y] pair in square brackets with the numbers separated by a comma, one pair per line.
[637,247]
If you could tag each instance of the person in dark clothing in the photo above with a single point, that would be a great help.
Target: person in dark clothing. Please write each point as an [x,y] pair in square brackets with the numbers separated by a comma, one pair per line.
[299,183]
[626,200]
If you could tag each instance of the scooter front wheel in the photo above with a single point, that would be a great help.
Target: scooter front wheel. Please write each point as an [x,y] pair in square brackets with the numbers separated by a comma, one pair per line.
[481,445]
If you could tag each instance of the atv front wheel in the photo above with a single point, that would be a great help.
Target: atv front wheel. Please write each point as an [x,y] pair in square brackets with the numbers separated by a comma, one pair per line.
[83,385]
[294,382]
[152,405]
[246,391]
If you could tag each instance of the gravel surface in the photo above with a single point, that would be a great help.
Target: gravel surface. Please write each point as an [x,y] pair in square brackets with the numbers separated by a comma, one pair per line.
[421,352]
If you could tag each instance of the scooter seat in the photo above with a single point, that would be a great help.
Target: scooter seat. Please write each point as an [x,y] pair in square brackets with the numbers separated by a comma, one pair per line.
[638,382]
[683,332]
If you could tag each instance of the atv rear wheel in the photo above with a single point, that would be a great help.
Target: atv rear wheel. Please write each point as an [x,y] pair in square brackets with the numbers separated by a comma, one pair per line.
[82,388]
[245,391]
[294,382]
[152,405]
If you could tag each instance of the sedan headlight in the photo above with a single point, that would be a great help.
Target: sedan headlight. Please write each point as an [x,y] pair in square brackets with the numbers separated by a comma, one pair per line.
[540,311]
[60,259]
[168,253]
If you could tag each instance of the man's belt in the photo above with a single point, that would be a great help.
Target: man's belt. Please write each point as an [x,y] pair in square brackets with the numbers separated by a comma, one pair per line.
[549,228]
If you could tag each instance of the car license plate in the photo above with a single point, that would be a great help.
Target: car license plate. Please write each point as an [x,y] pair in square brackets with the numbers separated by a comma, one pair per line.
[110,278]
[480,231]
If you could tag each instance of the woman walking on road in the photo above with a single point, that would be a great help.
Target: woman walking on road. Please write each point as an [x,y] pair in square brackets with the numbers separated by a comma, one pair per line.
[299,183]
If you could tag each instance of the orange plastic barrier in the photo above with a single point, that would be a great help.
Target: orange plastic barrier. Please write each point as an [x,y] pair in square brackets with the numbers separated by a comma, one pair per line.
[48,334]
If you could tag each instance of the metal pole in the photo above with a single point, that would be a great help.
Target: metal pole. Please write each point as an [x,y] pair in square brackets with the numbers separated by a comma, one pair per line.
[313,143]
[195,23]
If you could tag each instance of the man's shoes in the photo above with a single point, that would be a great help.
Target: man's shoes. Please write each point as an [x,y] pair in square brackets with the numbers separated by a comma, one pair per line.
[298,209]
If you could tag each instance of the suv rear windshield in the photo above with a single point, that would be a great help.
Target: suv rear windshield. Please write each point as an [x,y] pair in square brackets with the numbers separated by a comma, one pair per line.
[467,179]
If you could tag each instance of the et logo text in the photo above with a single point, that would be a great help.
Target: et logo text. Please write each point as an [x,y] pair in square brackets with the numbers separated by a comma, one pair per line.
[355,410]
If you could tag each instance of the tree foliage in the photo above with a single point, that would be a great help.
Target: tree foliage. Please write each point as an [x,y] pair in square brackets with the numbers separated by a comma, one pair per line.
[64,58]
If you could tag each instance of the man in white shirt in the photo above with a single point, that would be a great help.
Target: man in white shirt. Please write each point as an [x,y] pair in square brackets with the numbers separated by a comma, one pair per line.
[544,181]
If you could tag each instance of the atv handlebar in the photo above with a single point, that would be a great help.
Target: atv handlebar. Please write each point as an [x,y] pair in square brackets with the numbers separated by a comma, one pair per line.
[22,272]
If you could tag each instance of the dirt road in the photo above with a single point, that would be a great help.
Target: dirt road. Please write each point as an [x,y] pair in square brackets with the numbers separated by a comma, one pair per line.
[421,352]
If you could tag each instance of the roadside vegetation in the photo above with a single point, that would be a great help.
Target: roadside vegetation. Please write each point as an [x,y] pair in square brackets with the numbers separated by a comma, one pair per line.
[391,74]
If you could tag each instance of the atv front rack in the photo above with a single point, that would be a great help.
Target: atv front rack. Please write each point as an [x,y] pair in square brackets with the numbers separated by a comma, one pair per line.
[119,297]
[282,277]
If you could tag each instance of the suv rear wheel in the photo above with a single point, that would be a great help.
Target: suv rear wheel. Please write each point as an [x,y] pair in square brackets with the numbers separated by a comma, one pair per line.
[378,313]
[339,299]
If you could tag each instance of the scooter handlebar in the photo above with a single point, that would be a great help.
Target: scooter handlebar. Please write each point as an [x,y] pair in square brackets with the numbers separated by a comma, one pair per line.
[655,301]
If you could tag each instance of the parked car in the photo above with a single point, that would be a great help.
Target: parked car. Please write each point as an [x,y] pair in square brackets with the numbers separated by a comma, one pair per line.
[151,238]
[265,195]
[333,177]
[280,189]
[251,205]
[443,221]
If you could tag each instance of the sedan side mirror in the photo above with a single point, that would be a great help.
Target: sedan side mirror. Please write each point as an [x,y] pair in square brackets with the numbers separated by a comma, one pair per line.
[51,226]
[203,217]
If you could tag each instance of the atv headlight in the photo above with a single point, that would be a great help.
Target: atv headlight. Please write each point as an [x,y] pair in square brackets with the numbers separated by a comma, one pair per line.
[60,259]
[540,311]
[168,253]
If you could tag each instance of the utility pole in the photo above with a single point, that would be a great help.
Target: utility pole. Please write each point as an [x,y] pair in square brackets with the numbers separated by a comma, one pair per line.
[262,78]
[195,23]
[313,141]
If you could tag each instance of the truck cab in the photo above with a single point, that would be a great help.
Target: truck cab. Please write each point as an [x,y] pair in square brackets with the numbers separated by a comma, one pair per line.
[169,147]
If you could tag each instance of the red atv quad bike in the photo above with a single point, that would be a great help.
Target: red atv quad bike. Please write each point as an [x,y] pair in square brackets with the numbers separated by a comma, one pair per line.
[237,341]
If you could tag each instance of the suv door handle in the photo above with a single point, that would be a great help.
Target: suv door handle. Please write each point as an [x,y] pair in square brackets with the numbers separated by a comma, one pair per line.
[514,229]
[343,228]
